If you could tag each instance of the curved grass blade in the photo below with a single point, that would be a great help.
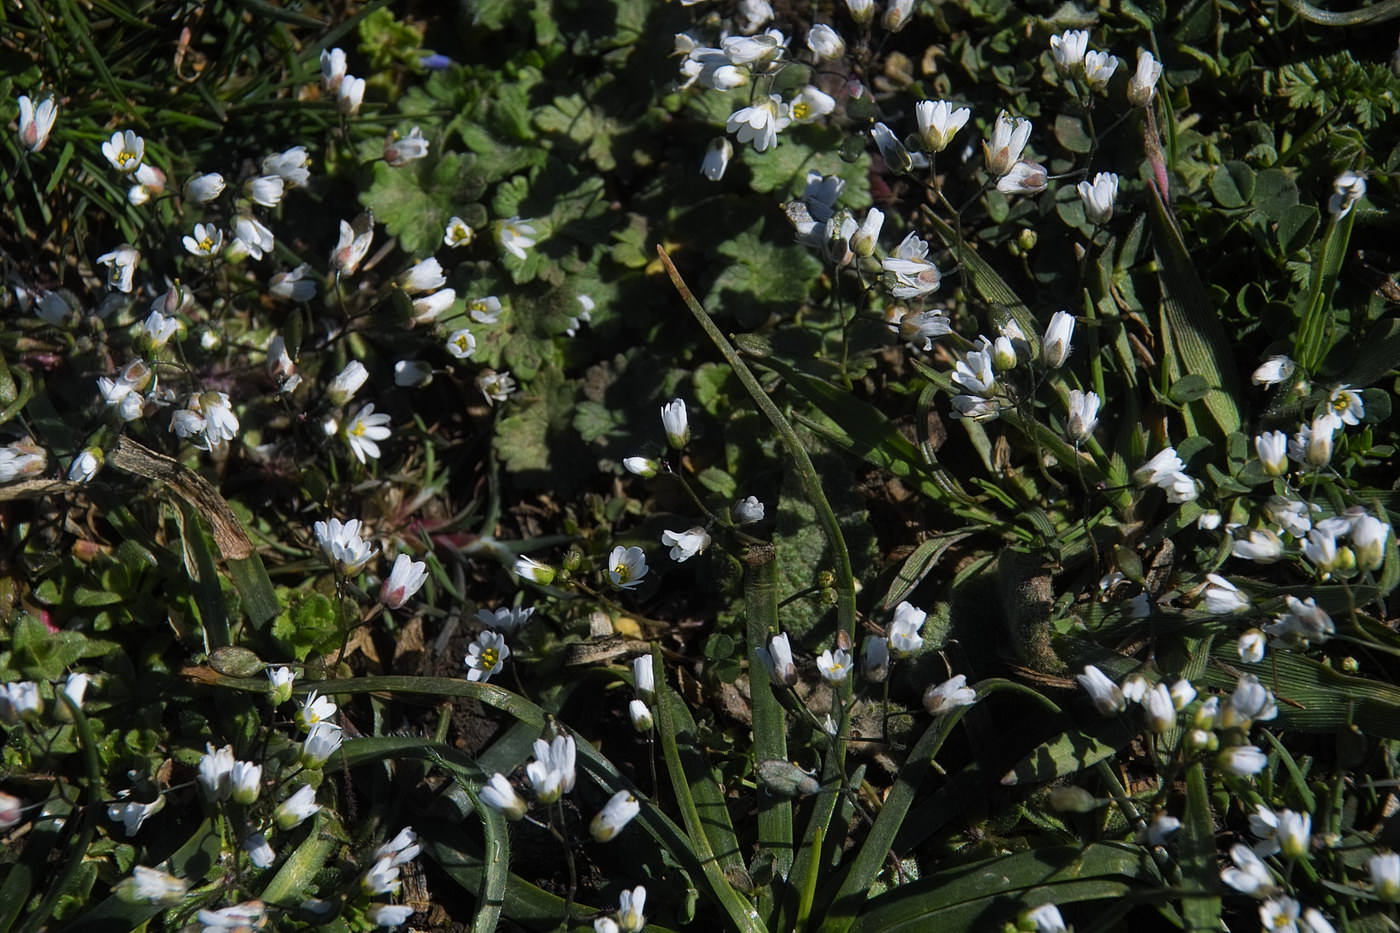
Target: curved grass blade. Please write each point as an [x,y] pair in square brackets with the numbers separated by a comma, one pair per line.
[1195,852]
[297,873]
[769,725]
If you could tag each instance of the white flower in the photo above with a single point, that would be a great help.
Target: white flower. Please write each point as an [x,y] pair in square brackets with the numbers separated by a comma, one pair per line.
[1312,445]
[1135,687]
[245,782]
[256,240]
[383,876]
[150,181]
[676,423]
[1055,346]
[641,716]
[939,122]
[1162,828]
[461,343]
[914,275]
[216,772]
[903,631]
[507,620]
[744,50]
[1003,150]
[897,14]
[777,657]
[685,544]
[759,123]
[239,917]
[21,460]
[290,165]
[834,666]
[1024,178]
[1251,701]
[315,710]
[389,915]
[862,11]
[322,741]
[1161,710]
[717,156]
[1209,520]
[1251,646]
[811,104]
[85,465]
[1304,623]
[644,678]
[352,246]
[974,408]
[754,13]
[132,813]
[1222,597]
[153,886]
[458,233]
[530,569]
[1068,50]
[1347,405]
[1369,536]
[1249,875]
[1313,921]
[405,578]
[342,545]
[1047,919]
[347,382]
[485,310]
[1098,68]
[1385,875]
[747,511]
[293,285]
[626,567]
[864,240]
[974,373]
[630,905]
[400,850]
[486,656]
[616,814]
[1143,84]
[20,701]
[921,328]
[826,43]
[121,267]
[1241,760]
[1274,370]
[265,190]
[1108,698]
[427,308]
[1349,188]
[401,151]
[1320,548]
[1162,465]
[281,679]
[1260,545]
[644,467]
[516,236]
[52,309]
[260,853]
[1098,197]
[125,150]
[425,276]
[1294,834]
[350,95]
[1083,415]
[332,68]
[1272,450]
[36,123]
[949,695]
[875,659]
[206,241]
[894,152]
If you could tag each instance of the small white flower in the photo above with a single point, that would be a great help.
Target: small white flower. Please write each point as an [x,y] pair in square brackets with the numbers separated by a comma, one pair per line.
[516,236]
[1251,701]
[260,853]
[1241,760]
[1143,84]
[1369,536]
[389,915]
[1272,450]
[254,238]
[835,666]
[616,814]
[1055,346]
[1385,876]
[290,165]
[1083,415]
[153,887]
[864,240]
[383,876]
[644,678]
[342,546]
[1222,597]
[1068,50]
[1312,444]
[204,188]
[457,233]
[811,104]
[1320,548]
[507,620]
[121,267]
[1259,545]
[238,917]
[1161,711]
[1251,646]
[206,241]
[36,123]
[125,150]
[425,276]
[676,423]
[347,382]
[903,631]
[1098,68]
[281,679]
[717,156]
[914,275]
[1209,520]
[1249,875]
[316,710]
[862,11]
[777,657]
[132,813]
[405,578]
[322,741]
[949,695]
[921,328]
[1108,698]
[826,43]
[875,659]
[333,67]
[293,285]
[747,511]
[485,310]
[974,373]
[627,567]
[1163,464]
[759,123]
[1025,177]
[896,155]
[530,569]
[1313,921]
[1162,828]
[150,182]
[685,544]
[974,408]
[641,716]
[744,50]
[486,656]
[1047,919]
[216,772]
[1347,405]
[400,850]
[644,467]
[897,15]
[1098,197]
[1349,188]
[1274,370]
[939,122]
[1294,834]
[350,95]
[352,246]
[427,308]
[245,782]
[85,465]
[1009,138]
[400,151]
[461,343]
[265,190]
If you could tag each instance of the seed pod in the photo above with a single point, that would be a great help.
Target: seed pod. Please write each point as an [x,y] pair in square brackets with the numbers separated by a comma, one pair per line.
[233,661]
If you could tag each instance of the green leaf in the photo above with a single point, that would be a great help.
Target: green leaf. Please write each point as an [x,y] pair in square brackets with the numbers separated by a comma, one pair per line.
[1073,750]
[415,201]
[1188,388]
[534,440]
[760,276]
[1232,184]
[1195,849]
[1296,227]
[574,119]
[782,171]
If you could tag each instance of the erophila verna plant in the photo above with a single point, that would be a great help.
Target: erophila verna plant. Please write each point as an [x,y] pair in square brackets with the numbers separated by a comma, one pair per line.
[857,465]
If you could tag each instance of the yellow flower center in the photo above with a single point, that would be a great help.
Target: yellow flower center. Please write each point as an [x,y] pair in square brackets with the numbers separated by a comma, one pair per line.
[622,572]
[206,244]
[359,429]
[489,657]
[124,157]
[801,110]
[1341,402]
[462,344]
